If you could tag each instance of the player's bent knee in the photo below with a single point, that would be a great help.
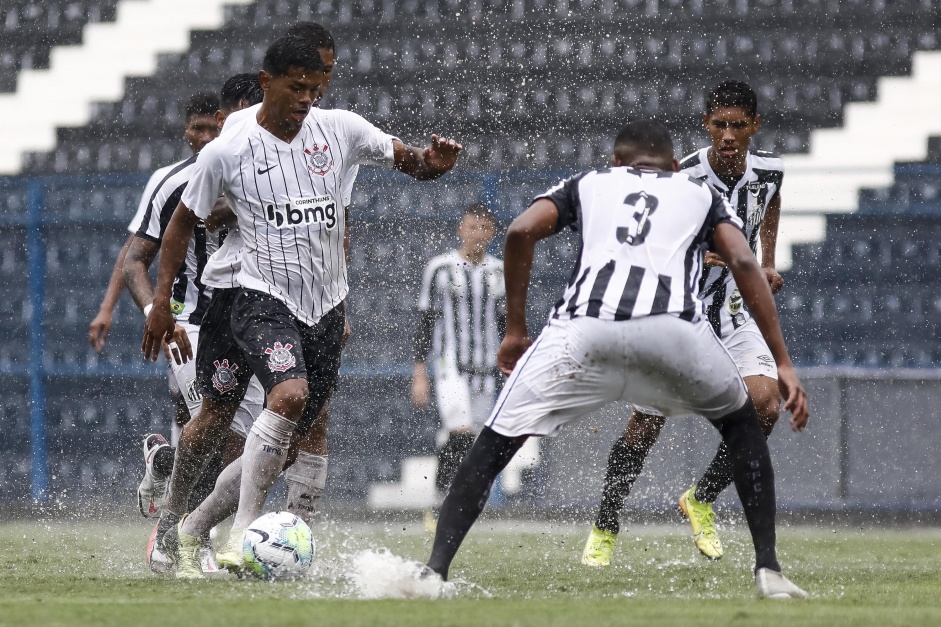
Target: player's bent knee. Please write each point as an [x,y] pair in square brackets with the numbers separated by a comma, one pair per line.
[288,398]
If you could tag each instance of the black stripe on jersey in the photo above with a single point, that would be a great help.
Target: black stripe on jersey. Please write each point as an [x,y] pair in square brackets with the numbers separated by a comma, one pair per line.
[339,200]
[661,298]
[203,294]
[578,287]
[142,229]
[596,297]
[284,255]
[629,296]
[690,161]
[484,307]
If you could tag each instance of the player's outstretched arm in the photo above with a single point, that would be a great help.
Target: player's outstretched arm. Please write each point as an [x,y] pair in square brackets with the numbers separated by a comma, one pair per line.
[160,324]
[732,246]
[536,223]
[426,163]
[769,241]
[136,266]
[100,325]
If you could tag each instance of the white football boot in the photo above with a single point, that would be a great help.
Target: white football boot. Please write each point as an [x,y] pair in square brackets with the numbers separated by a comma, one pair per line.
[774,585]
[152,492]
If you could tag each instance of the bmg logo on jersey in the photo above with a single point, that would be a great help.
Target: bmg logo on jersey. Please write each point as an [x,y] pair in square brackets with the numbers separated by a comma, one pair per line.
[303,212]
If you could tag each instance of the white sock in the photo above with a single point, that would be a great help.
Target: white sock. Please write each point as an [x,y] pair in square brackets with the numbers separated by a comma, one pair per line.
[266,449]
[306,480]
[219,505]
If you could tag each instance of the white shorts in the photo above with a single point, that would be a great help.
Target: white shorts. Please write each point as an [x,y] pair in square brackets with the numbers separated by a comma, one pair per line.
[185,375]
[464,400]
[578,366]
[750,352]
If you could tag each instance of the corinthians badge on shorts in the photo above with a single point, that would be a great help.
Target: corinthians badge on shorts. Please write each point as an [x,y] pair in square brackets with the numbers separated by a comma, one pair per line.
[223,379]
[319,160]
[280,357]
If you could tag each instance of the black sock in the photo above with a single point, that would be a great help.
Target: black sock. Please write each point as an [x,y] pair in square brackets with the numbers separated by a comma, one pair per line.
[468,494]
[718,477]
[163,462]
[754,479]
[449,458]
[207,481]
[625,463]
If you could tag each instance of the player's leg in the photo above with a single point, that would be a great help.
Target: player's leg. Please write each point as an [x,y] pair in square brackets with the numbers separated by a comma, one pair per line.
[453,402]
[625,463]
[753,360]
[306,477]
[696,375]
[549,388]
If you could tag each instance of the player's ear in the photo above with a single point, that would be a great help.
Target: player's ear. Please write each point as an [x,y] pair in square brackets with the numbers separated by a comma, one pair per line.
[616,161]
[757,122]
[264,80]
[676,165]
[220,119]
[705,120]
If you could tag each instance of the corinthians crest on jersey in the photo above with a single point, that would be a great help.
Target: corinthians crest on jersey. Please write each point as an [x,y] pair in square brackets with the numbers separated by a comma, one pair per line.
[319,160]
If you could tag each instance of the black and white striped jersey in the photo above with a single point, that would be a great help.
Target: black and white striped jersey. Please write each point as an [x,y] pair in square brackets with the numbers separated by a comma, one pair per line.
[290,201]
[155,179]
[189,297]
[643,236]
[750,197]
[466,306]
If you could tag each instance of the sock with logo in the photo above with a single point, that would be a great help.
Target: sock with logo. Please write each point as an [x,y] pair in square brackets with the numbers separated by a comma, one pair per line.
[718,475]
[306,480]
[754,479]
[266,449]
[219,505]
[468,494]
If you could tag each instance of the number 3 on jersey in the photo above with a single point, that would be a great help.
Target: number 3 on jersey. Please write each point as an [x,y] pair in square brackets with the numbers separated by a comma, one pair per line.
[635,233]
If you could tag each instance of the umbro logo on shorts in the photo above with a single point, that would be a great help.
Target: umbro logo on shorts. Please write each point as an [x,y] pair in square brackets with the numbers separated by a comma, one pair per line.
[280,357]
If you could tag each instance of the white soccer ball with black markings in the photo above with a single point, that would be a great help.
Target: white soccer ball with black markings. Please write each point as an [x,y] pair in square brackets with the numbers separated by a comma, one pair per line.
[278,545]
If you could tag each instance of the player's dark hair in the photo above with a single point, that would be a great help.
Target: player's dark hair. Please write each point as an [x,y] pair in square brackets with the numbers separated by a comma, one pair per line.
[238,88]
[645,136]
[732,94]
[201,104]
[479,210]
[288,52]
[316,33]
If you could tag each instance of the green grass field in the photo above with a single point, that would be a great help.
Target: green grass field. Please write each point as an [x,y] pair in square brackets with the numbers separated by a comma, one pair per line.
[523,574]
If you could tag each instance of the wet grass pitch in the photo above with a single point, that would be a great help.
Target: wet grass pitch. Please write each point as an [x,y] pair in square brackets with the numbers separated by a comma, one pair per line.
[514,573]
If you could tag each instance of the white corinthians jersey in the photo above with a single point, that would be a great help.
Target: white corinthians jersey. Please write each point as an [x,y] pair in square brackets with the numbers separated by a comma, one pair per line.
[643,237]
[764,172]
[189,297]
[469,305]
[290,201]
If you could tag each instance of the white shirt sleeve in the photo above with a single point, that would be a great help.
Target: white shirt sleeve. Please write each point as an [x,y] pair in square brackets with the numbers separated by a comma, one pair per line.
[368,145]
[205,185]
[152,183]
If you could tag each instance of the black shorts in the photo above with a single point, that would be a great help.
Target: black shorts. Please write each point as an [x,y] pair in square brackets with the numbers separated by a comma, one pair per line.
[279,347]
[222,369]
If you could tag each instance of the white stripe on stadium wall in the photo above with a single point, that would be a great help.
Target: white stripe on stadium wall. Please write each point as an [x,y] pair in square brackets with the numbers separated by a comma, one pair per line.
[95,71]
[861,153]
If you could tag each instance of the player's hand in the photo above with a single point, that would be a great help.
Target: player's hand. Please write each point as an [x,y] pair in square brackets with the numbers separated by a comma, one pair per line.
[421,388]
[158,329]
[347,332]
[795,399]
[511,349]
[178,350]
[712,259]
[775,280]
[442,154]
[98,330]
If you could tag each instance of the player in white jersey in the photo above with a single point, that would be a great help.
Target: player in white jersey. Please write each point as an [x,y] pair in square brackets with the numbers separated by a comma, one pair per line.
[219,357]
[630,327]
[461,322]
[191,298]
[288,177]
[751,182]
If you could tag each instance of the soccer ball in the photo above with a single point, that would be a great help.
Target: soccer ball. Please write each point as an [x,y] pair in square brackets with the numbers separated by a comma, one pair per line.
[278,545]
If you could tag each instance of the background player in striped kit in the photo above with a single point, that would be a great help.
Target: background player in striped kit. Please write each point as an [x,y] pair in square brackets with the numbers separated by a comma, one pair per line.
[751,182]
[288,174]
[630,327]
[461,321]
